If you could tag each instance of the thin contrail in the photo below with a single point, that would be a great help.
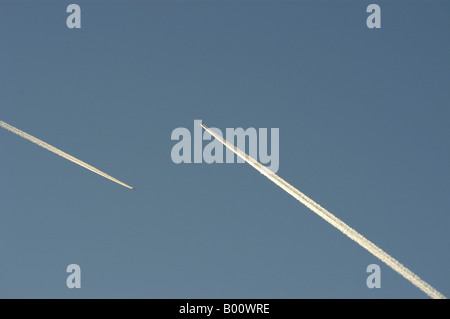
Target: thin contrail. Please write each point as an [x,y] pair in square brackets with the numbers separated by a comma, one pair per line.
[59,152]
[333,220]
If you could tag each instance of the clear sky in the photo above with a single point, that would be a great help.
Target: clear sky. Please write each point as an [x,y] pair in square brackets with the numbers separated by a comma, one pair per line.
[364,131]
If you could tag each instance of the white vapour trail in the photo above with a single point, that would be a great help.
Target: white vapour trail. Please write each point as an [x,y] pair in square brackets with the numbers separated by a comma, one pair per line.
[59,152]
[333,220]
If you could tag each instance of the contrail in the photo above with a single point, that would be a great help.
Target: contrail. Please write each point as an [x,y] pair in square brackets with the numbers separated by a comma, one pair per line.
[333,220]
[59,152]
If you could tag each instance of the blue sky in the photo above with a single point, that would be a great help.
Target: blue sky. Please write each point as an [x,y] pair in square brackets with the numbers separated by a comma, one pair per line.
[363,118]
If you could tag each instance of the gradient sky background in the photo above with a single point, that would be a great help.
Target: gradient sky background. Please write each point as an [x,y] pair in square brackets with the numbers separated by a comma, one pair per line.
[364,131]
